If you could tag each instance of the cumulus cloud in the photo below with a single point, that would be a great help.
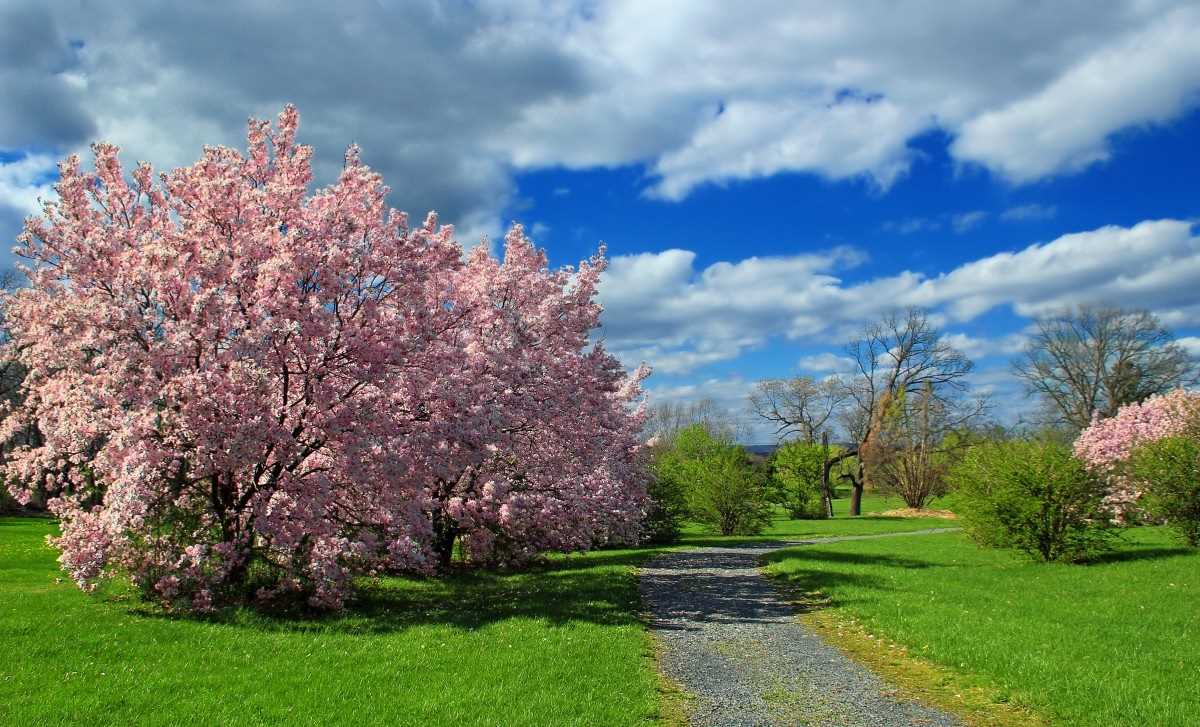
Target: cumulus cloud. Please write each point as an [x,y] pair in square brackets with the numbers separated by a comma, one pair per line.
[659,306]
[1149,75]
[825,363]
[449,100]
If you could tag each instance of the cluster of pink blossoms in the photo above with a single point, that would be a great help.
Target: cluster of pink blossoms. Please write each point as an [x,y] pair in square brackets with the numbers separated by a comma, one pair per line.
[241,388]
[1107,443]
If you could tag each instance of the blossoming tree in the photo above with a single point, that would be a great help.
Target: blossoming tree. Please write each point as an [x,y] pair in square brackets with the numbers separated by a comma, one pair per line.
[1108,443]
[244,388]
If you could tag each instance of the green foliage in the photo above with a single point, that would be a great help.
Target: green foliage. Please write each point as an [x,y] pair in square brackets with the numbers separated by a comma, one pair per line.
[667,493]
[796,478]
[1032,495]
[1170,471]
[722,488]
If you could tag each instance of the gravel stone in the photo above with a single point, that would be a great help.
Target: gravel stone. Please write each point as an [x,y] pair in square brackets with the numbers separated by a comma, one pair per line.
[731,640]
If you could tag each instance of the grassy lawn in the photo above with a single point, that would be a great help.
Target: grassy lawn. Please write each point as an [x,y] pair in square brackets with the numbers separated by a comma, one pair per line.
[869,523]
[1112,643]
[558,646]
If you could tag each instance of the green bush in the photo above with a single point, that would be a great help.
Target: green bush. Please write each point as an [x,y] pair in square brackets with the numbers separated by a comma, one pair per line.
[1169,469]
[796,479]
[720,486]
[667,507]
[1033,496]
[726,492]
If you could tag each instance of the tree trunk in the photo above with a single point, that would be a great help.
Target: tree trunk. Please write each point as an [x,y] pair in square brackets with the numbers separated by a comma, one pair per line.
[445,532]
[857,493]
[826,493]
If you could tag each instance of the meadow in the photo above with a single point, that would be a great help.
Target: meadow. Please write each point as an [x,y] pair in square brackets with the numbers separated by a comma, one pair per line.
[559,644]
[1112,642]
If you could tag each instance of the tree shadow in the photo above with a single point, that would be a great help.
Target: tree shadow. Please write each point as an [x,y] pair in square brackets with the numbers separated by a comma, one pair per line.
[1121,556]
[808,589]
[692,589]
[559,591]
[808,552]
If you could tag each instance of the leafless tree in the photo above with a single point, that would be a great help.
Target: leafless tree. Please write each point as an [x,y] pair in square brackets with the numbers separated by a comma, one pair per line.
[1092,361]
[898,356]
[799,406]
[919,439]
[666,418]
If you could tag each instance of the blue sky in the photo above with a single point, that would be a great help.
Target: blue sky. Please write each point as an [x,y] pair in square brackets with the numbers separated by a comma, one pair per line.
[767,176]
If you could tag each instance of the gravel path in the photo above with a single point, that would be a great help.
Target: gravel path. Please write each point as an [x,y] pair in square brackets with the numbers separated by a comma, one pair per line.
[730,640]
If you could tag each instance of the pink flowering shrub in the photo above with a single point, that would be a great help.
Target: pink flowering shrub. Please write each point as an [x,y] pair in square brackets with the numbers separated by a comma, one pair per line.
[1107,444]
[246,389]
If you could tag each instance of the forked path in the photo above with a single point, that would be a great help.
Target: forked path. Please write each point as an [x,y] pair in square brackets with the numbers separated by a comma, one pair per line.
[733,642]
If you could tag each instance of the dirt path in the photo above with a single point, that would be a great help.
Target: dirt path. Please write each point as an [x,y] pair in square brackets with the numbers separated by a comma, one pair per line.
[729,639]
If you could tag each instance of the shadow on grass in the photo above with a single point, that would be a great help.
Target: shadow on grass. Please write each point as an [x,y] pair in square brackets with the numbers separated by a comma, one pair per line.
[811,553]
[808,588]
[1122,556]
[597,588]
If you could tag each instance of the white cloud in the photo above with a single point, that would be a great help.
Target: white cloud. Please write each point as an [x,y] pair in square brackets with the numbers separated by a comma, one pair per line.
[838,139]
[449,100]
[825,362]
[967,221]
[912,225]
[976,348]
[660,307]
[1191,344]
[1032,211]
[1150,75]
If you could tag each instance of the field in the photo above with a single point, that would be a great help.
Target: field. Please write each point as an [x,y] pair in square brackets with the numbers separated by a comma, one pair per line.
[561,644]
[558,646]
[1115,642]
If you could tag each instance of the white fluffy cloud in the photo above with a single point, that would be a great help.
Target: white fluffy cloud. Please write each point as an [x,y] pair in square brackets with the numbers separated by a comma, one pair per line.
[661,308]
[448,100]
[1147,75]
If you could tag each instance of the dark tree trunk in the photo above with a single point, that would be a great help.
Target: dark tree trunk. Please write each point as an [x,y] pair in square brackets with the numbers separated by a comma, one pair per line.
[856,492]
[445,532]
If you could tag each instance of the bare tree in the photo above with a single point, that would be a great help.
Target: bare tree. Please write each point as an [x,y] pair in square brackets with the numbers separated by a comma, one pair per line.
[1092,361]
[799,406]
[919,439]
[666,418]
[898,356]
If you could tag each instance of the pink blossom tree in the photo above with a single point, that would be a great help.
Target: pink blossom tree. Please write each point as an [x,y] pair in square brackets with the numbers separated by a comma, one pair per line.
[243,388]
[1107,444]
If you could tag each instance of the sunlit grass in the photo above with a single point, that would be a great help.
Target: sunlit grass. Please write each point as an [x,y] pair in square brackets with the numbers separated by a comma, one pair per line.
[1112,643]
[558,645]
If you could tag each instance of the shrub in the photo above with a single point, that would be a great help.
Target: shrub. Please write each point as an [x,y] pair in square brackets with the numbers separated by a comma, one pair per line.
[727,492]
[666,497]
[796,478]
[1033,496]
[1169,471]
[721,487]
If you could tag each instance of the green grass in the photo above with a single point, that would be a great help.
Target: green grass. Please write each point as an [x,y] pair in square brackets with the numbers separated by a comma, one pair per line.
[560,645]
[869,523]
[1116,642]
